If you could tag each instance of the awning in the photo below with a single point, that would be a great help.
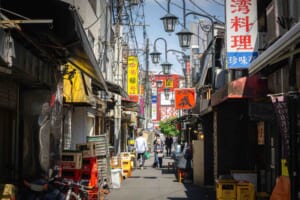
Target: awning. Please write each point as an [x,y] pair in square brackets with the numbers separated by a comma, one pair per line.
[242,88]
[112,87]
[77,87]
[128,105]
[61,42]
[192,118]
[278,51]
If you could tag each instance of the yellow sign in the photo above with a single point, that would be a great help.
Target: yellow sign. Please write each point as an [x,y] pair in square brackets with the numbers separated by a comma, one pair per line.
[169,83]
[133,71]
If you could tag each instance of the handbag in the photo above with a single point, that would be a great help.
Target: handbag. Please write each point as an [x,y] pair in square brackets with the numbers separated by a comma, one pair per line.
[147,155]
[160,155]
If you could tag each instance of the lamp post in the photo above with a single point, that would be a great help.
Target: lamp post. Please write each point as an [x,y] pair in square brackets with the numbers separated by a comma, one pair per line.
[155,55]
[184,35]
[184,69]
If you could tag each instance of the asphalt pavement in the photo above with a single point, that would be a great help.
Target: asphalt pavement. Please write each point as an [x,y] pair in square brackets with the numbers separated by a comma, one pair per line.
[158,184]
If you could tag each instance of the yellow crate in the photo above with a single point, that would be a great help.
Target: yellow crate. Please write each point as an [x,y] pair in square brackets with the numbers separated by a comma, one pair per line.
[126,164]
[125,155]
[126,173]
[226,189]
[245,191]
[7,192]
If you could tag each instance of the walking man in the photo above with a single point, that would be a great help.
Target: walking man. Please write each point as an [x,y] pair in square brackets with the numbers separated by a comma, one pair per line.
[141,148]
[169,142]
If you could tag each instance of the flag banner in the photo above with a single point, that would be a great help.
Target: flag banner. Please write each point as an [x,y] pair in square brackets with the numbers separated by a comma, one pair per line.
[280,105]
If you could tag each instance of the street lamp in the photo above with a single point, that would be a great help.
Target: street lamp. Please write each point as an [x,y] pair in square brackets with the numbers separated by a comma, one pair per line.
[184,35]
[159,83]
[167,93]
[155,55]
[185,60]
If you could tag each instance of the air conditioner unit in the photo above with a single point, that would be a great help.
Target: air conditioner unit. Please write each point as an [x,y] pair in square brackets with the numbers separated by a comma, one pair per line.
[272,25]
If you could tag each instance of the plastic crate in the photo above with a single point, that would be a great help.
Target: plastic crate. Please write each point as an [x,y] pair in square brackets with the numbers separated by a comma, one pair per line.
[71,160]
[125,156]
[126,164]
[88,149]
[89,165]
[226,189]
[245,191]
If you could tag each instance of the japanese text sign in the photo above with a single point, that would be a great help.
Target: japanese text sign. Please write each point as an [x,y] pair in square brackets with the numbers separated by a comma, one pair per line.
[185,98]
[133,71]
[241,32]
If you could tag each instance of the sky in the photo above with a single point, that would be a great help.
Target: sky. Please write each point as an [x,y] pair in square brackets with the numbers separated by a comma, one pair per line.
[155,9]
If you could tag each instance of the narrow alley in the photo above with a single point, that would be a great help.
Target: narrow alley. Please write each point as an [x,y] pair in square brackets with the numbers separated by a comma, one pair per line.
[158,184]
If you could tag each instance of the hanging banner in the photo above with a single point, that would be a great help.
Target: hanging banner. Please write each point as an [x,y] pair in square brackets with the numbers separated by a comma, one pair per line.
[242,33]
[185,98]
[280,105]
[132,79]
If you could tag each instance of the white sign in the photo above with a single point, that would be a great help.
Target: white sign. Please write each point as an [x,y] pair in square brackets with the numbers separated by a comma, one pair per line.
[241,32]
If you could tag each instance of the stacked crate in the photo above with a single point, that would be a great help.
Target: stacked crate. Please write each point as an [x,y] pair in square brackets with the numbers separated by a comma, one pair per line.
[102,155]
[71,163]
[90,176]
[126,164]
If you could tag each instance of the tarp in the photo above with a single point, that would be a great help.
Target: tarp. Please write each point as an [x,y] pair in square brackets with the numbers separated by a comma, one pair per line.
[77,87]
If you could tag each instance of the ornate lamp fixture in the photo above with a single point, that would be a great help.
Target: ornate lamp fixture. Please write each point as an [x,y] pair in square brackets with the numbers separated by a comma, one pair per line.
[167,93]
[166,67]
[155,55]
[169,22]
[184,35]
[159,83]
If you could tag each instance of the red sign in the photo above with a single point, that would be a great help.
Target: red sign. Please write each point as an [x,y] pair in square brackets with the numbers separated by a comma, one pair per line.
[134,98]
[185,98]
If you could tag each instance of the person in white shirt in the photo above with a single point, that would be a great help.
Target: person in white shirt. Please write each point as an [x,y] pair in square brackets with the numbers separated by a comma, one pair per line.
[141,148]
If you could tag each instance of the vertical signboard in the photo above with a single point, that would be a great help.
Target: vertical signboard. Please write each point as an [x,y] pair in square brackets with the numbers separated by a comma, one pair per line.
[241,32]
[132,78]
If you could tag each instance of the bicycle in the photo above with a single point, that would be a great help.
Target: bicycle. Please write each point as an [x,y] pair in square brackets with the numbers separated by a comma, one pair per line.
[73,190]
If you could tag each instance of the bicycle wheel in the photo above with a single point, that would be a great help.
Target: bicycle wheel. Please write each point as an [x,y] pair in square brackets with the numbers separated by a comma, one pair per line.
[84,195]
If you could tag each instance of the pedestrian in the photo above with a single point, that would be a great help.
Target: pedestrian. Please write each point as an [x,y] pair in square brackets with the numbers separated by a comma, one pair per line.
[169,143]
[158,152]
[157,136]
[188,155]
[140,148]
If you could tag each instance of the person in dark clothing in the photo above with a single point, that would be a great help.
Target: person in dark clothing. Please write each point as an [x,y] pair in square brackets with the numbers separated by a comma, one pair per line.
[169,143]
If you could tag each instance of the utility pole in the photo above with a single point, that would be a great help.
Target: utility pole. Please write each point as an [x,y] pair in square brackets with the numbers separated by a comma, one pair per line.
[147,89]
[118,80]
